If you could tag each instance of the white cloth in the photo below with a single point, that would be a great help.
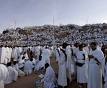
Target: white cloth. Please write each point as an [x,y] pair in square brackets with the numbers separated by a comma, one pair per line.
[21,62]
[75,50]
[20,73]
[39,65]
[49,78]
[3,75]
[86,49]
[26,56]
[62,76]
[70,63]
[95,70]
[12,76]
[8,54]
[46,55]
[82,75]
[36,51]
[3,56]
[0,53]
[57,53]
[28,66]
[20,50]
[14,53]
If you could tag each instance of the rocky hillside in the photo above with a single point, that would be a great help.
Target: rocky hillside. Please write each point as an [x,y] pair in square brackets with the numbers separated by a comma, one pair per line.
[51,34]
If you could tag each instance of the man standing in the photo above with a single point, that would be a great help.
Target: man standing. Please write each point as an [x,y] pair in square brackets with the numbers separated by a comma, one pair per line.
[46,55]
[96,58]
[70,63]
[62,75]
[81,67]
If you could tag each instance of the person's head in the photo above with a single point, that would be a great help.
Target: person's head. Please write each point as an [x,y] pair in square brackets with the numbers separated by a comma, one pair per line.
[81,47]
[14,62]
[8,64]
[12,59]
[85,44]
[93,45]
[76,45]
[64,45]
[28,49]
[46,65]
[23,57]
[31,59]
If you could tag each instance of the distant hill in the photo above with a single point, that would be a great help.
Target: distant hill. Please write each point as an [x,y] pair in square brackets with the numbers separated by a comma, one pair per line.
[52,34]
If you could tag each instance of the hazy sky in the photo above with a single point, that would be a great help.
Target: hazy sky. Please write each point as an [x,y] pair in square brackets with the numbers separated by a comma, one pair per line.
[40,12]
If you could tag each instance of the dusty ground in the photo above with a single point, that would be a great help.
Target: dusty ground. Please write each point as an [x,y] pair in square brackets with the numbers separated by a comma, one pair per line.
[29,81]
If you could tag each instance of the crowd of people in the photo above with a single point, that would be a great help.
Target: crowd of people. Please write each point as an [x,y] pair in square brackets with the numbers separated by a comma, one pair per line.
[84,63]
[21,61]
[41,35]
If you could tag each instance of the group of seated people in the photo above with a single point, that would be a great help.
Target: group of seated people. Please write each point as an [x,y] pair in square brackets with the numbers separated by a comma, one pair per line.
[26,65]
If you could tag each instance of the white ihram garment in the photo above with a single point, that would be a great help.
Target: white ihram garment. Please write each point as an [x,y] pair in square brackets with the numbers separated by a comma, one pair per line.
[3,75]
[49,78]
[82,76]
[70,63]
[28,66]
[95,70]
[62,76]
[13,75]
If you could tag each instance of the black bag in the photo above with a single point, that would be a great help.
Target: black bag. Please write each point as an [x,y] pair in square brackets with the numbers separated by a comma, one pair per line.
[79,64]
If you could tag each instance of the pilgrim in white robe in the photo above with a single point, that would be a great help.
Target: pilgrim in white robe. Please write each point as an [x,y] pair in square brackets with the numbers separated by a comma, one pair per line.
[3,75]
[57,54]
[38,65]
[49,78]
[70,63]
[95,70]
[20,50]
[28,67]
[12,76]
[0,53]
[82,75]
[44,59]
[8,53]
[75,50]
[3,56]
[20,72]
[46,55]
[14,53]
[37,51]
[21,62]
[62,76]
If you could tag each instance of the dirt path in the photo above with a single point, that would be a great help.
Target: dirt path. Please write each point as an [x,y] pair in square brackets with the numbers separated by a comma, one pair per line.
[23,82]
